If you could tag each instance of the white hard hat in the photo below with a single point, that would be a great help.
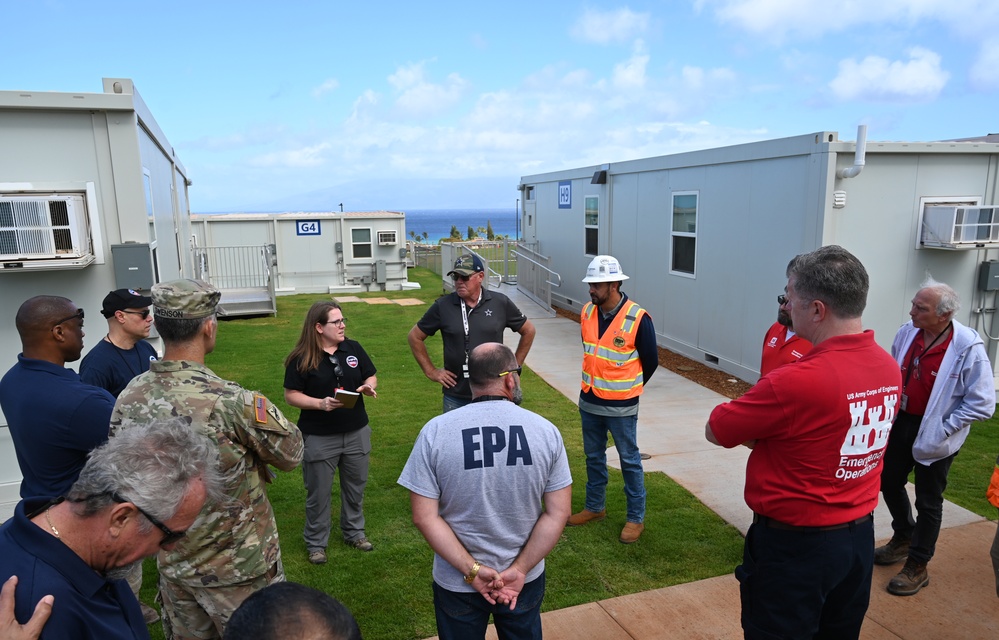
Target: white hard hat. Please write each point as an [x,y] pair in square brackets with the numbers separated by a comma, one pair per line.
[604,269]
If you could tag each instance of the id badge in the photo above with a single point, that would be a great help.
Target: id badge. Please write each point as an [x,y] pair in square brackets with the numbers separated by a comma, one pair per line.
[905,402]
[464,370]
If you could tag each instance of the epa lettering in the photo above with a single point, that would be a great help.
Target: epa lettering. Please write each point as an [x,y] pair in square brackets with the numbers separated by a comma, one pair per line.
[484,445]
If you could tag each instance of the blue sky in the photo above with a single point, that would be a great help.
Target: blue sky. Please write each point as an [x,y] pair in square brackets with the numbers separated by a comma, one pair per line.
[395,105]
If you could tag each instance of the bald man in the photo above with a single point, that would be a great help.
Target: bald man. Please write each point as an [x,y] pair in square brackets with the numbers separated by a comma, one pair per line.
[55,419]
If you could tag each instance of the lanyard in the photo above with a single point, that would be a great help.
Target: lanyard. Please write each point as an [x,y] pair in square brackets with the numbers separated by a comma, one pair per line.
[914,361]
[464,319]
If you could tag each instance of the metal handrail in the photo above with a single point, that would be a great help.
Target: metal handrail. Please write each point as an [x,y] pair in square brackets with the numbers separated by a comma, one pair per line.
[532,261]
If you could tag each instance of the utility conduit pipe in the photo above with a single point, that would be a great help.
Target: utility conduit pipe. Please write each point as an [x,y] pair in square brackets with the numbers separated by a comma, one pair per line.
[858,155]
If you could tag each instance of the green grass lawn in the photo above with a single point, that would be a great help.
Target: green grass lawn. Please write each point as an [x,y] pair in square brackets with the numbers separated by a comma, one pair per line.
[388,590]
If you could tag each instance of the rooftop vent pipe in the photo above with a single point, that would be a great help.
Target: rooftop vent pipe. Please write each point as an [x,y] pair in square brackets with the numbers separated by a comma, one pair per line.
[858,155]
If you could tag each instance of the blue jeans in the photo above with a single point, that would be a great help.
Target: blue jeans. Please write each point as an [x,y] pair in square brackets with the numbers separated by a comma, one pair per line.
[624,429]
[454,402]
[465,616]
[814,584]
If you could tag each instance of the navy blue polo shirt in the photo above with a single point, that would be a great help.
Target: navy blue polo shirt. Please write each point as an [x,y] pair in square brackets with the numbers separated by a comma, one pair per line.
[87,607]
[108,367]
[55,420]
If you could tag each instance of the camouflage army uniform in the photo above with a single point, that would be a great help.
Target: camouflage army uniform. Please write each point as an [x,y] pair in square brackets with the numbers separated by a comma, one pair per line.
[232,549]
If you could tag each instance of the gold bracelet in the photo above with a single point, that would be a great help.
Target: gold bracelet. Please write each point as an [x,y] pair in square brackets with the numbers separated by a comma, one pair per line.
[470,578]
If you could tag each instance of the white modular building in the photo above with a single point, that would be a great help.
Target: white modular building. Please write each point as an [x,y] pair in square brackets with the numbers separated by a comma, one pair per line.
[92,198]
[311,252]
[706,236]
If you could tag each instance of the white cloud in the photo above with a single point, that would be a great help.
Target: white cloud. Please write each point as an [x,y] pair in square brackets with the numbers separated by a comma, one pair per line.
[630,74]
[305,157]
[329,85]
[984,73]
[605,27]
[879,79]
[419,97]
[775,19]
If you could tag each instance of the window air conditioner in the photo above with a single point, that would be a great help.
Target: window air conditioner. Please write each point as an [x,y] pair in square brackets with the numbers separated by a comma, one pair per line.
[960,227]
[386,238]
[44,232]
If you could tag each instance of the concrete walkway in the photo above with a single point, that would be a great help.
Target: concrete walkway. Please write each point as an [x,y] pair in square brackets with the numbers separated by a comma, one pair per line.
[960,601]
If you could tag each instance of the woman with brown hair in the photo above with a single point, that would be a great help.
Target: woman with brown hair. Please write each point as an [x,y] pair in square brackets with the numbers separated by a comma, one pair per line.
[322,366]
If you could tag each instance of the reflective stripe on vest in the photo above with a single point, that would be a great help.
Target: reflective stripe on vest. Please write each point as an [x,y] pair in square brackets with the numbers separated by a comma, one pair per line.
[612,369]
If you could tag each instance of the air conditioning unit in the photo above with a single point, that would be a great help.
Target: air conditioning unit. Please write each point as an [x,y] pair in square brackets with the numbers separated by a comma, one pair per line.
[960,227]
[387,238]
[44,232]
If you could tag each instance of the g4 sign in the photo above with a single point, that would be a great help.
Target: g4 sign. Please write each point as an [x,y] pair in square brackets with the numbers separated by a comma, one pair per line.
[565,195]
[307,228]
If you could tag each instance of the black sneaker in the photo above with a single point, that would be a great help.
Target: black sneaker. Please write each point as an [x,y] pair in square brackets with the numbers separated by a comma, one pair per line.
[895,551]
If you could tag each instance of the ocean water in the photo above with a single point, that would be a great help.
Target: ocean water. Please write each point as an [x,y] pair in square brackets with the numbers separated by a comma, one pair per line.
[437,222]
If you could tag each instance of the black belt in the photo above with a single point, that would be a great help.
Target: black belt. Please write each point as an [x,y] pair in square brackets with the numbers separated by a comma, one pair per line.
[777,524]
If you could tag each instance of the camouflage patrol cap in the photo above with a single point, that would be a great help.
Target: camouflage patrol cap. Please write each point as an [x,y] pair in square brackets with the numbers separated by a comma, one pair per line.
[184,299]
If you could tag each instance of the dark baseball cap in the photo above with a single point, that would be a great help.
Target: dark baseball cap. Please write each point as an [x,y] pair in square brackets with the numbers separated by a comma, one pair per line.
[121,299]
[466,265]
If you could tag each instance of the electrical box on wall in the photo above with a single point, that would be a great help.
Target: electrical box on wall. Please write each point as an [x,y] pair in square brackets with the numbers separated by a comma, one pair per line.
[988,276]
[133,266]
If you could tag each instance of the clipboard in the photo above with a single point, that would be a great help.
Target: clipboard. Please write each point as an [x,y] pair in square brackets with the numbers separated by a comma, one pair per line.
[348,398]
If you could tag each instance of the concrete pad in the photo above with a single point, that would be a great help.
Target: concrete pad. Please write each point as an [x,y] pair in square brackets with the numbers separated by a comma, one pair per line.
[347,299]
[408,302]
[959,602]
[377,301]
[697,610]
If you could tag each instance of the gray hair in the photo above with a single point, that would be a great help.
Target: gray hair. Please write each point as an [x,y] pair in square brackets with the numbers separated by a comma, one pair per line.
[790,266]
[836,277]
[949,300]
[180,329]
[151,466]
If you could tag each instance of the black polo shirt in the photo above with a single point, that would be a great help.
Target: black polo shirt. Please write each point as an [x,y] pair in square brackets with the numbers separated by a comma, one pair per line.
[486,322]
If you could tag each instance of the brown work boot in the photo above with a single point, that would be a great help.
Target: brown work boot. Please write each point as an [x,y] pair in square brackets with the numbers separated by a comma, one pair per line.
[631,532]
[895,551]
[910,579]
[585,516]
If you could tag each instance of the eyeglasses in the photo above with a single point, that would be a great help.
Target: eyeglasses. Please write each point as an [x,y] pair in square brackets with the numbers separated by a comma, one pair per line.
[782,300]
[78,314]
[456,277]
[336,366]
[169,536]
[338,323]
[144,313]
[503,373]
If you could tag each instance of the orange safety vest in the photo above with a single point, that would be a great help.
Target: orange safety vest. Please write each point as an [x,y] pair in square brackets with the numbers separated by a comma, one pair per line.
[611,366]
[992,493]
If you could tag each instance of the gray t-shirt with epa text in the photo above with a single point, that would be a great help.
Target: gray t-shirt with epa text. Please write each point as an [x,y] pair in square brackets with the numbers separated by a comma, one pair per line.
[488,464]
